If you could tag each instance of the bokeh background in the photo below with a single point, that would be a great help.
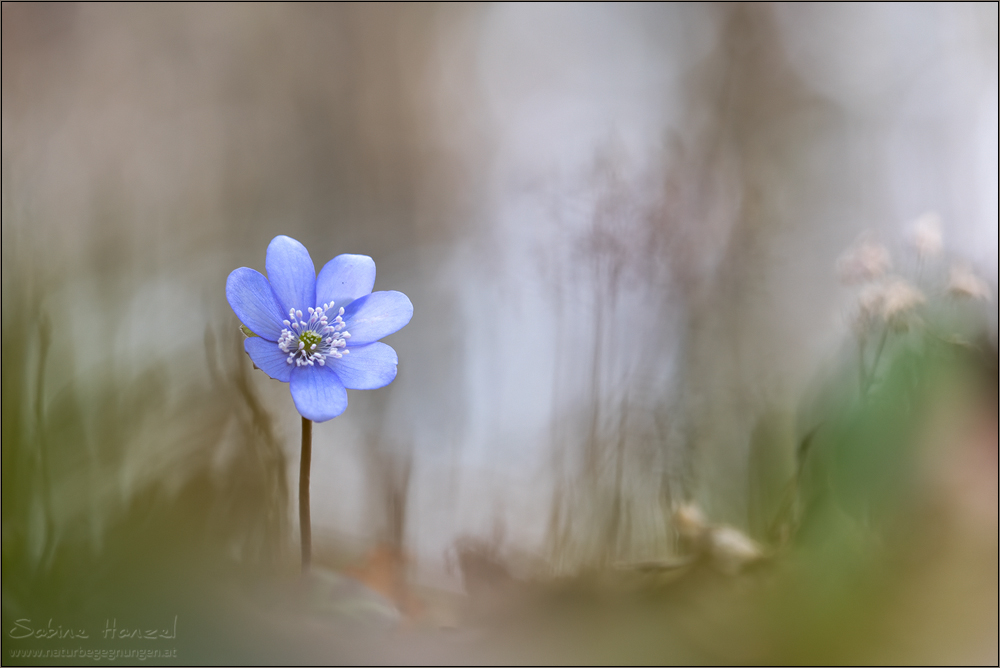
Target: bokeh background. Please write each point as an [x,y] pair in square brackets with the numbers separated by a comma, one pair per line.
[618,225]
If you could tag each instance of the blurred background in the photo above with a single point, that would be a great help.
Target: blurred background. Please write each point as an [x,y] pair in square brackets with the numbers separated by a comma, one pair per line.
[619,226]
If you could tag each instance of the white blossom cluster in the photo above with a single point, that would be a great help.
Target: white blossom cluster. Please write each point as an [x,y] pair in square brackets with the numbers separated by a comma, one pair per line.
[889,299]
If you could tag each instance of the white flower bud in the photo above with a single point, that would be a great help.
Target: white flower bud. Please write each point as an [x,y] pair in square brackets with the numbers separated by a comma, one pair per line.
[731,550]
[689,521]
[964,284]
[899,299]
[866,261]
[926,236]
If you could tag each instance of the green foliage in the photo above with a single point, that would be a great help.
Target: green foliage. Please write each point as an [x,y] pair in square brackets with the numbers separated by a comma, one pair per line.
[131,494]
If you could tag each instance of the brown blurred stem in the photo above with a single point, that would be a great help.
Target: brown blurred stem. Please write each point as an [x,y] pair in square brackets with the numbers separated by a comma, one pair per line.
[44,340]
[878,356]
[305,526]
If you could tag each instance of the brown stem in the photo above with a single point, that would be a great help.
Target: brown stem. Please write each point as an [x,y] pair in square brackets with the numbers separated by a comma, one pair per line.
[305,525]
[878,356]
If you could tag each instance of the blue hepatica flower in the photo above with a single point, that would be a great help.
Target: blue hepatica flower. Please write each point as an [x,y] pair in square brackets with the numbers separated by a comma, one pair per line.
[318,333]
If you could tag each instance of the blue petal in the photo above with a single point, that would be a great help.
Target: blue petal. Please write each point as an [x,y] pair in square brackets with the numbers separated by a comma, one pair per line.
[254,303]
[344,279]
[269,358]
[366,367]
[379,314]
[292,274]
[318,393]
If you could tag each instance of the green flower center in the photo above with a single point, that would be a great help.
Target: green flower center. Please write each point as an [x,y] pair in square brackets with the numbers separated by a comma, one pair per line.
[310,339]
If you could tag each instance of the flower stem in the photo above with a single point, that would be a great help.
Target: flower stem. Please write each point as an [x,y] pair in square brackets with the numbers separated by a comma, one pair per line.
[878,356]
[862,372]
[305,524]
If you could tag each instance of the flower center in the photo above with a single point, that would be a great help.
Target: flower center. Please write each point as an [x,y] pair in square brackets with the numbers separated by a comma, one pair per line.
[309,340]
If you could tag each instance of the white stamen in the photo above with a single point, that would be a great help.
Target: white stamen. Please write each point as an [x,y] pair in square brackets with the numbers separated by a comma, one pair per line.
[311,341]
